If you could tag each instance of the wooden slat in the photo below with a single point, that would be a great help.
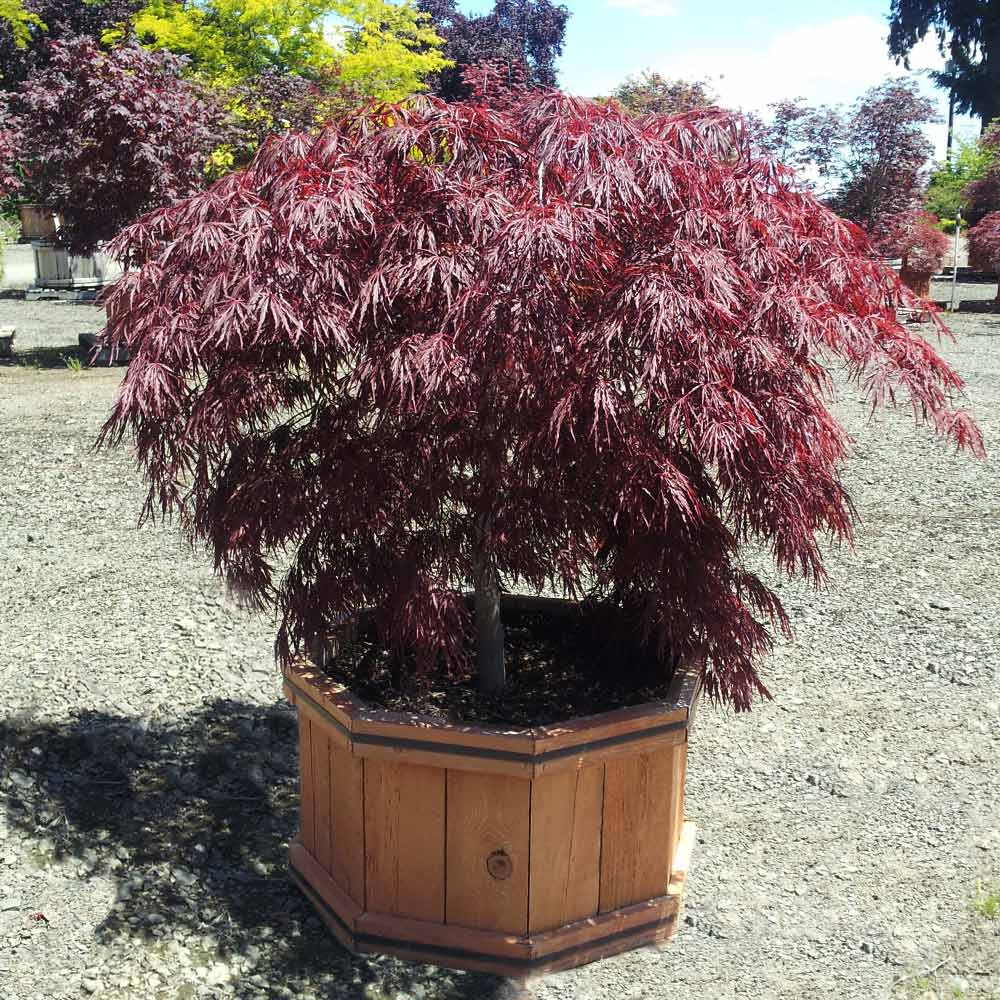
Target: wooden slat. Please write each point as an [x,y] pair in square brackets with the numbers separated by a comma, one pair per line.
[637,842]
[682,859]
[398,725]
[347,834]
[451,960]
[420,932]
[606,947]
[334,697]
[608,725]
[487,813]
[320,882]
[685,687]
[322,841]
[307,811]
[601,755]
[677,795]
[317,712]
[404,840]
[445,759]
[583,932]
[566,815]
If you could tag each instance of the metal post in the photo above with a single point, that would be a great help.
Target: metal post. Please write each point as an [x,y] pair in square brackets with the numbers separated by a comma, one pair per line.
[954,260]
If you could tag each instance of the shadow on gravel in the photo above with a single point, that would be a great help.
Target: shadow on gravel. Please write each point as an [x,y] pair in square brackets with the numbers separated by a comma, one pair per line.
[47,357]
[193,819]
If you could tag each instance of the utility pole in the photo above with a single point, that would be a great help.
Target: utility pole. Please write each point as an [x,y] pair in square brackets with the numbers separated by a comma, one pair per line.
[954,260]
[949,68]
[951,124]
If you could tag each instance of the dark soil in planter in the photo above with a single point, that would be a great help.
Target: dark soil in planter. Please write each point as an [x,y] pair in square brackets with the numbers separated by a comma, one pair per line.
[558,668]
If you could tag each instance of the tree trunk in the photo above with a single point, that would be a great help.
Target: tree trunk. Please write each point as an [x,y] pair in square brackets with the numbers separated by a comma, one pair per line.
[489,627]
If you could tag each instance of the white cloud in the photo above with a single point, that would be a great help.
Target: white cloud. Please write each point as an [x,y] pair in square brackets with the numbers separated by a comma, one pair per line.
[828,63]
[646,8]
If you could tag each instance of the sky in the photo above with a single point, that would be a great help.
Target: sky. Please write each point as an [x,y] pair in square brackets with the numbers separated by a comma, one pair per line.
[752,53]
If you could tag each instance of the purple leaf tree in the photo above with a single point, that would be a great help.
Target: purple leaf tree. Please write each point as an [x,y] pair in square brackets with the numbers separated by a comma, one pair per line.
[107,136]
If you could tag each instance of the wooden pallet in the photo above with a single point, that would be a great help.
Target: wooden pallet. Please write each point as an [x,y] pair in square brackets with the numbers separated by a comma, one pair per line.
[510,851]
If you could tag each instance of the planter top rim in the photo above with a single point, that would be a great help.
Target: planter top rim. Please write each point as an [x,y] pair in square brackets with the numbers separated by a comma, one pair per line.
[359,722]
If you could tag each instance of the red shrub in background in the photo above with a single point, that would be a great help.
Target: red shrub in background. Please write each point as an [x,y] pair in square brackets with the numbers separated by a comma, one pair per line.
[546,345]
[915,238]
[984,245]
[106,136]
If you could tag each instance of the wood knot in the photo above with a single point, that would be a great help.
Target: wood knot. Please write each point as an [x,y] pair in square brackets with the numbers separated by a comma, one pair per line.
[499,865]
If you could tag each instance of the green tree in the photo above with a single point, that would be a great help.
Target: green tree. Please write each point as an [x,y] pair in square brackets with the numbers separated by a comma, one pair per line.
[651,93]
[380,49]
[19,21]
[946,192]
[968,32]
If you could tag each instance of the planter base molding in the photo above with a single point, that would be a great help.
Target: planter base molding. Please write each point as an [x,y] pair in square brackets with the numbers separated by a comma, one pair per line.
[504,850]
[651,922]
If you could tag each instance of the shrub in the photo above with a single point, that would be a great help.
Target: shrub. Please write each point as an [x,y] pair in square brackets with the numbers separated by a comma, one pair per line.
[106,136]
[884,157]
[545,345]
[916,237]
[984,245]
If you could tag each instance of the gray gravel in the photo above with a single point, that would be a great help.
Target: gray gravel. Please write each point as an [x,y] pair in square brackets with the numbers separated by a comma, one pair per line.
[147,763]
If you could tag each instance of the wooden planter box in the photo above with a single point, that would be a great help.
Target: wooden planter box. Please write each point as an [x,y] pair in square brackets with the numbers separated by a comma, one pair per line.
[919,282]
[58,268]
[38,222]
[510,851]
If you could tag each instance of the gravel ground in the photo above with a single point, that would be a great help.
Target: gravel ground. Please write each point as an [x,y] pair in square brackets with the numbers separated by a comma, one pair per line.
[147,763]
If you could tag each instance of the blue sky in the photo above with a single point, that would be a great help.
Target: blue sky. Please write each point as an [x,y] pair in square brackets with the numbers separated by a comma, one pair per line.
[752,53]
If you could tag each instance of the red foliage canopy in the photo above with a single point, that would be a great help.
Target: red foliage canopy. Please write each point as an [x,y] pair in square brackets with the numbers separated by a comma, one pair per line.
[105,136]
[984,243]
[589,348]
[915,238]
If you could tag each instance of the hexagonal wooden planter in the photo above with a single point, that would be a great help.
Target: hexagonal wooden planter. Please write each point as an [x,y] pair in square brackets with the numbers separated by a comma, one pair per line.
[511,851]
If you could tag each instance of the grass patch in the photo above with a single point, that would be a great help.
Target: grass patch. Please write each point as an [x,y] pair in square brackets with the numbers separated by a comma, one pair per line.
[987,904]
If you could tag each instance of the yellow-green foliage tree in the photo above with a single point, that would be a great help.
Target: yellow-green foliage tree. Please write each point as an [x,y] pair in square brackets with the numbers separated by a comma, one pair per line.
[19,20]
[377,48]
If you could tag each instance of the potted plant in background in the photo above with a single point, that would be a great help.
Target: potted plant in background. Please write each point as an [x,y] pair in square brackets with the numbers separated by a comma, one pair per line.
[442,353]
[984,245]
[154,133]
[917,239]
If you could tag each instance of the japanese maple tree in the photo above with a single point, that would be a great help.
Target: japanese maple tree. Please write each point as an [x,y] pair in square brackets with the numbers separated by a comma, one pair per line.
[915,238]
[450,346]
[884,156]
[107,136]
[984,245]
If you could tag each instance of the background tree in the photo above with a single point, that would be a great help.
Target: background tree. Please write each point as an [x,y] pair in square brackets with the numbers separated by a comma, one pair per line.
[968,32]
[19,22]
[651,93]
[53,20]
[951,185]
[982,192]
[525,36]
[384,50]
[884,157]
[644,399]
[106,136]
[274,102]
[984,245]
[808,139]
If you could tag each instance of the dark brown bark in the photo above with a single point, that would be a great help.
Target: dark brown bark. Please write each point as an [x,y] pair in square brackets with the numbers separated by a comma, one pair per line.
[489,629]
